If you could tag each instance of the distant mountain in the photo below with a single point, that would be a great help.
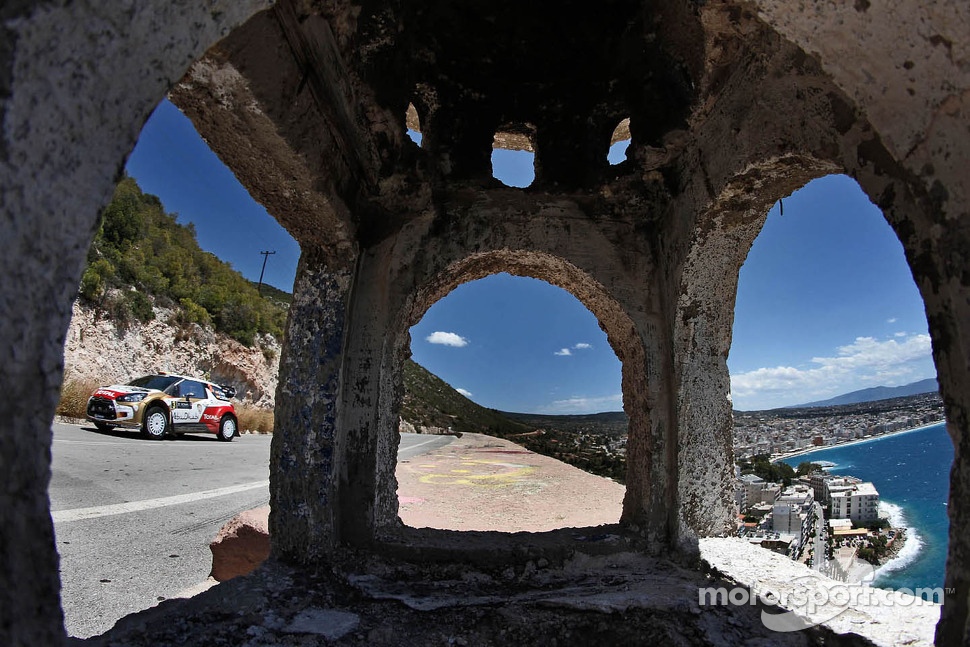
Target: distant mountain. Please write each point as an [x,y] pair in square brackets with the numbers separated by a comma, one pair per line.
[929,385]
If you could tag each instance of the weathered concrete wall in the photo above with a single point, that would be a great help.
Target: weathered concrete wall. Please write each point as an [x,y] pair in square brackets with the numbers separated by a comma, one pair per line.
[77,81]
[731,106]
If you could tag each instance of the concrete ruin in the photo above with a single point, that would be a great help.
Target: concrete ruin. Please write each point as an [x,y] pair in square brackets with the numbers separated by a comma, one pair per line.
[731,106]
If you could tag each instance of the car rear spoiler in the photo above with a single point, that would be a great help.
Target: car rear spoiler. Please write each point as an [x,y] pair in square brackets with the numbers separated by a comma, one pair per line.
[230,391]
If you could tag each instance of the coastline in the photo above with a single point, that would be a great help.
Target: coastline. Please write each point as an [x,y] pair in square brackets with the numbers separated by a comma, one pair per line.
[859,441]
[903,553]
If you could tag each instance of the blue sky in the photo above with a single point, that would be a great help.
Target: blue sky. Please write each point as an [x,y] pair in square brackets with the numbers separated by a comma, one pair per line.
[826,303]
[174,163]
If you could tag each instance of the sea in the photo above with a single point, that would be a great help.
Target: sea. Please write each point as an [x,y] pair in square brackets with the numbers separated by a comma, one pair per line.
[911,472]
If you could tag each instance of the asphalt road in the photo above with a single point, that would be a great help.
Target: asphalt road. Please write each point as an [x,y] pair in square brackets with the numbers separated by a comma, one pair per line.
[134,517]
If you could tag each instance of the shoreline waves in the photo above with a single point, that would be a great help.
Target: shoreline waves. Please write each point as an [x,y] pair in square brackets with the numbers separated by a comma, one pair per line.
[911,472]
[912,542]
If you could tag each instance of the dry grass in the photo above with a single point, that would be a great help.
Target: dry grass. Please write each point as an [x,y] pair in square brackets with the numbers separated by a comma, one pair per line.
[74,397]
[253,419]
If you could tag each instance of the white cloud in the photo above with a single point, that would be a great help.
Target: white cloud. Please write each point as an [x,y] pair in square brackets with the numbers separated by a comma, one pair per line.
[866,362]
[566,352]
[891,320]
[900,334]
[465,392]
[580,404]
[446,339]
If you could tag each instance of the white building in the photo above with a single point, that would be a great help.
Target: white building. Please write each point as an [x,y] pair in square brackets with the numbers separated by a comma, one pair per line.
[792,512]
[859,502]
[756,490]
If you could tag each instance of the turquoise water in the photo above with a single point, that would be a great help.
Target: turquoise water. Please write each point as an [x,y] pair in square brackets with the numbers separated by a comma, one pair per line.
[911,471]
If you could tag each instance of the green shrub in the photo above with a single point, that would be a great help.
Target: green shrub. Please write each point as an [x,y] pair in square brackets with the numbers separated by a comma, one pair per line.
[96,279]
[192,312]
[140,306]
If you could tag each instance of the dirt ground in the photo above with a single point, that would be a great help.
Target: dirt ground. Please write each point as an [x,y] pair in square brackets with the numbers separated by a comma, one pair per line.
[482,483]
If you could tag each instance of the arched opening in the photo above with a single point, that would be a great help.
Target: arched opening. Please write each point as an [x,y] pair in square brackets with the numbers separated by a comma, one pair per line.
[530,392]
[161,292]
[513,158]
[412,123]
[642,503]
[619,143]
[831,356]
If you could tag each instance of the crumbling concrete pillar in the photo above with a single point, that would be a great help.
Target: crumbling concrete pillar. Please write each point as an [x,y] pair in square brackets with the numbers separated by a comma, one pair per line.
[704,316]
[946,291]
[935,232]
[308,440]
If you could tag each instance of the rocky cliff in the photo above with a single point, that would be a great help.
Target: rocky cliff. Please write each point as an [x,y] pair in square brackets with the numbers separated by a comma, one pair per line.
[99,349]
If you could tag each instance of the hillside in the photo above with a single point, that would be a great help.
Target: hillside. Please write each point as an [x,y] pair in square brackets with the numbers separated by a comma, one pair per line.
[151,299]
[430,402]
[142,259]
[613,423]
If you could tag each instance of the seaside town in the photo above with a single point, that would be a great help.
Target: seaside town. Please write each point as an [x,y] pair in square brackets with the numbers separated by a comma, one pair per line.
[828,522]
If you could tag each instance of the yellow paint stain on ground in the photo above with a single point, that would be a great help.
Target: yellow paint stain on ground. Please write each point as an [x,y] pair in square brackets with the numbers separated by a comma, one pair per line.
[509,474]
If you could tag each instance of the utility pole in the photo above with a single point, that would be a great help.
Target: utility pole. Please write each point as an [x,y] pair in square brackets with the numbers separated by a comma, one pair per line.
[259,288]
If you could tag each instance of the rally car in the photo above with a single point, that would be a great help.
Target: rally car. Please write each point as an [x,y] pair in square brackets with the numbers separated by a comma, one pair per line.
[164,403]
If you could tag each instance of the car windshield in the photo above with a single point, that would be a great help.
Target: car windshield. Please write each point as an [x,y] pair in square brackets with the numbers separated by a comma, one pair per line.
[158,382]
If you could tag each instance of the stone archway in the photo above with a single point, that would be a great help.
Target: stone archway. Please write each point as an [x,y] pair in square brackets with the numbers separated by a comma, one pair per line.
[620,330]
[306,103]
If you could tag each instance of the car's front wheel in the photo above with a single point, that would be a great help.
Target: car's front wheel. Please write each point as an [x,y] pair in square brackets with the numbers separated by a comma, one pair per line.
[156,423]
[227,428]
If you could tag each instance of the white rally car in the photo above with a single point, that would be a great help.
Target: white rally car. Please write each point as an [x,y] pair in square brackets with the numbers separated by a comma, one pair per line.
[164,403]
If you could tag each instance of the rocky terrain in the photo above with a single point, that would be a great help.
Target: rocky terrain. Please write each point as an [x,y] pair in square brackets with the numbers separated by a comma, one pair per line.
[98,349]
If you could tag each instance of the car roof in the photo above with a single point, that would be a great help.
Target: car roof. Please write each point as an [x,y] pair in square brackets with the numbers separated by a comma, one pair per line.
[183,377]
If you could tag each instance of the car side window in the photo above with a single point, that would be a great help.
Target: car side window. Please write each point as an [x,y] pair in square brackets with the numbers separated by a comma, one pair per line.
[191,389]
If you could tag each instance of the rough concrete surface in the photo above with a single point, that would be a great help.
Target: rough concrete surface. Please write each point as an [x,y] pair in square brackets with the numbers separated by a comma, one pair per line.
[730,105]
[241,545]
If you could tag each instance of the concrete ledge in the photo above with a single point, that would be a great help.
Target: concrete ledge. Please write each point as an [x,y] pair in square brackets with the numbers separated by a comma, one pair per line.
[886,618]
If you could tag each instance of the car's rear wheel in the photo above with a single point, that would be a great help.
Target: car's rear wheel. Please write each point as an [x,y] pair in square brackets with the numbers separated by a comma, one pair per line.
[103,426]
[156,423]
[228,427]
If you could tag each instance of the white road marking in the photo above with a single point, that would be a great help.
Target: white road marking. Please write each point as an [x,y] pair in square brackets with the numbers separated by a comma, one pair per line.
[95,442]
[79,514]
[419,444]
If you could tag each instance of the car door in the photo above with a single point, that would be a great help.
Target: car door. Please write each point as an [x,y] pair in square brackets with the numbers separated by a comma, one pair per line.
[190,403]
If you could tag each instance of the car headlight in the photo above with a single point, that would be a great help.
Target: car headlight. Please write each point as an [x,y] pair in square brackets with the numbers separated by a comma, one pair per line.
[132,397]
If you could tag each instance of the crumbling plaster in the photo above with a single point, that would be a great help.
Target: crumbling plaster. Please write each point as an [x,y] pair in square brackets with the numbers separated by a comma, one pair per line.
[737,105]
